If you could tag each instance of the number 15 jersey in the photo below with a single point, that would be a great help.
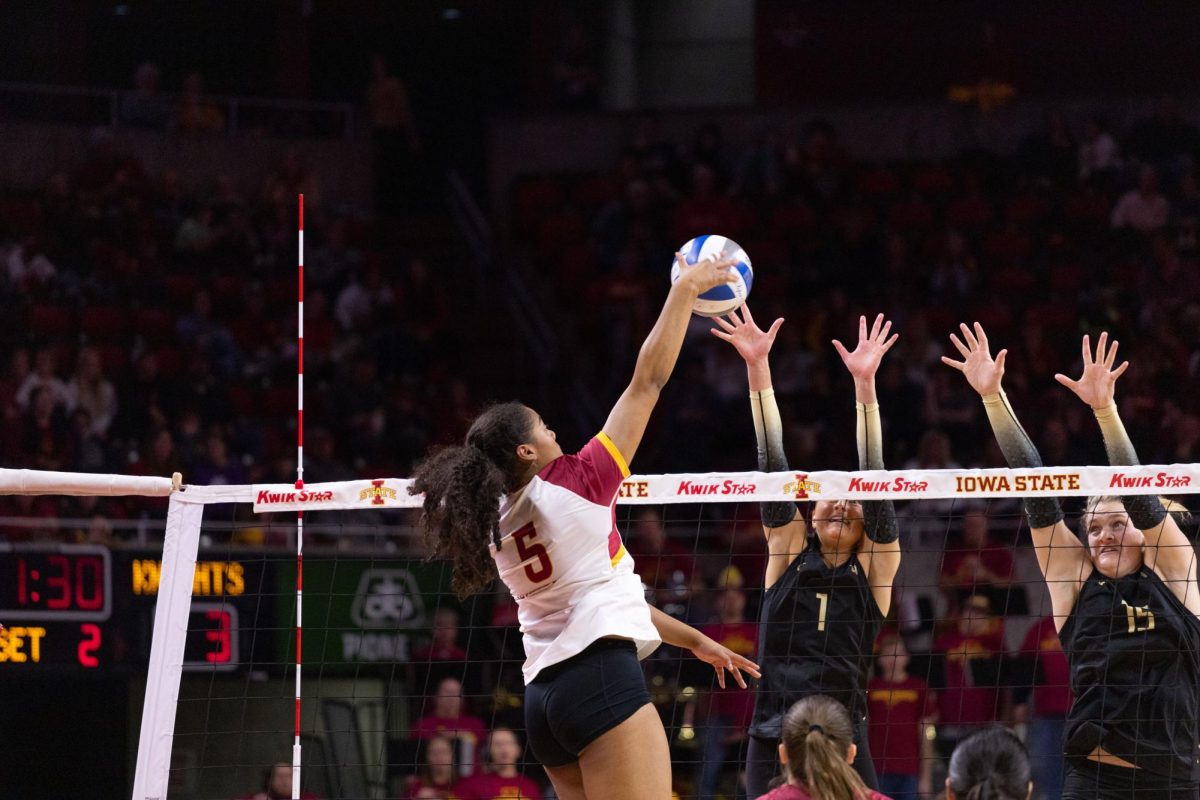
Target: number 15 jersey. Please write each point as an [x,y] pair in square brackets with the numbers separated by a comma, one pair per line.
[563,560]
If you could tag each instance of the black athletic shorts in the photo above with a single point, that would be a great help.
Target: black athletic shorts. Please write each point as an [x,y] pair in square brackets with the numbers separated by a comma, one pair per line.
[1091,780]
[572,703]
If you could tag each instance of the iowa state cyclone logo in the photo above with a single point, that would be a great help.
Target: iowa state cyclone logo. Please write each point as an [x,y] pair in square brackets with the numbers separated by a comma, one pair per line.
[801,487]
[378,494]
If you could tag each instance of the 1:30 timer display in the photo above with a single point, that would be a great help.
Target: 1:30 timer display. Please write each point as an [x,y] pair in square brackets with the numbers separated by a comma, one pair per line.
[64,582]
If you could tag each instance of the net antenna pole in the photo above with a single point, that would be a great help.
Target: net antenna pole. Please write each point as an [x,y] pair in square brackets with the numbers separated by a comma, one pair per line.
[299,485]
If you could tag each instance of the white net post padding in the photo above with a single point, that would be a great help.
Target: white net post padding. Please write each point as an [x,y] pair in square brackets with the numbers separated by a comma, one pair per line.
[180,546]
[31,481]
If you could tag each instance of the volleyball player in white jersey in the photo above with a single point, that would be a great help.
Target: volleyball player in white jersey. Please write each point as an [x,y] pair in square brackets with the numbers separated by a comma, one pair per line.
[548,521]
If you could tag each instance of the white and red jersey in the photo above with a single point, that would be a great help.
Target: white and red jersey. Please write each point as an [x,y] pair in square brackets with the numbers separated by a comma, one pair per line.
[563,560]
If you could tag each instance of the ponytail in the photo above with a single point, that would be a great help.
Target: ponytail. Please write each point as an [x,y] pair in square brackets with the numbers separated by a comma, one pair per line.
[826,773]
[463,486]
[992,764]
[817,735]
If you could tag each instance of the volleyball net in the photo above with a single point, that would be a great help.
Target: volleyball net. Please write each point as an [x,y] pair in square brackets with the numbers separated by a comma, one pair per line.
[393,662]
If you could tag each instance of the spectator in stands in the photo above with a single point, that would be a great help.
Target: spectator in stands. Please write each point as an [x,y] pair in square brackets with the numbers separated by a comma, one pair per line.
[900,708]
[44,376]
[195,112]
[704,208]
[576,78]
[195,234]
[87,448]
[976,564]
[1165,139]
[218,467]
[449,720]
[90,391]
[394,139]
[1050,151]
[502,780]
[28,266]
[1042,697]
[1144,209]
[725,714]
[444,644]
[971,695]
[1099,153]
[438,770]
[660,562]
[291,177]
[200,330]
[145,107]
[925,520]
[277,785]
[46,430]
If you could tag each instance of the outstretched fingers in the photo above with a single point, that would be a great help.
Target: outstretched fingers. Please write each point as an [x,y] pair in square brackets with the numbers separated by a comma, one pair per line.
[959,346]
[961,366]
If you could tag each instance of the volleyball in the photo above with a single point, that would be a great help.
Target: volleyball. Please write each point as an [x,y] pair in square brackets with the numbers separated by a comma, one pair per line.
[728,296]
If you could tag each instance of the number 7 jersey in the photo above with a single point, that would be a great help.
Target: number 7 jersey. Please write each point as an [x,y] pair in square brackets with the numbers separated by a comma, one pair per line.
[563,560]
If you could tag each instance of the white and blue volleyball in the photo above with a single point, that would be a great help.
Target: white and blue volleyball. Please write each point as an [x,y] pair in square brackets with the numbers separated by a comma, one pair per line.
[728,296]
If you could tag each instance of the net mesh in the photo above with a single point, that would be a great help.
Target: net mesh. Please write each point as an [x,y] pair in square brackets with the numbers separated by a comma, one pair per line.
[403,683]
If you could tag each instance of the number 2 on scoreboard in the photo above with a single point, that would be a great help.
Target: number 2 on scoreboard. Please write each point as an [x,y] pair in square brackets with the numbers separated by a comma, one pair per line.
[528,549]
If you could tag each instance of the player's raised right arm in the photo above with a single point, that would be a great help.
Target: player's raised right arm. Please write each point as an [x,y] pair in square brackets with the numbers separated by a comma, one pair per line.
[1062,558]
[656,360]
[782,523]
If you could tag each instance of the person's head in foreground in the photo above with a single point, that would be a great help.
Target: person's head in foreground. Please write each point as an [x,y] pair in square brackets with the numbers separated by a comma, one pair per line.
[989,765]
[817,749]
[1116,546]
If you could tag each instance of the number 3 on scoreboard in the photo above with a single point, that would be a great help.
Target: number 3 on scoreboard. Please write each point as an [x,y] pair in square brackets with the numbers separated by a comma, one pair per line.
[528,549]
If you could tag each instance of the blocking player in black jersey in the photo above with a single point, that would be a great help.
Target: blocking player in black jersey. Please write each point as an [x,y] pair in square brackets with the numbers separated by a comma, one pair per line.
[828,587]
[1125,603]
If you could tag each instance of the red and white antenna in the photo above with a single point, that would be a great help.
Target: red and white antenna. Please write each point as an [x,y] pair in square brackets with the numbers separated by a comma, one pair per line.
[299,485]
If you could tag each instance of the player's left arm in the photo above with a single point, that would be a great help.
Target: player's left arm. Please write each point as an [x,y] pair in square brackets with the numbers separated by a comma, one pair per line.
[1168,550]
[656,360]
[880,553]
[680,634]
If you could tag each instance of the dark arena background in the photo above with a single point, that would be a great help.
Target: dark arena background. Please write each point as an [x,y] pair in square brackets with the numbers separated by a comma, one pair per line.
[493,194]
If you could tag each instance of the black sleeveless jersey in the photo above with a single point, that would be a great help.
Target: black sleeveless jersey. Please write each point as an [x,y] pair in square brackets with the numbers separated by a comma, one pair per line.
[1134,652]
[817,632]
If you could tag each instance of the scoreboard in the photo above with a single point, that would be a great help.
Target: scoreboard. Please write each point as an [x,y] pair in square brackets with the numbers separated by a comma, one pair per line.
[85,607]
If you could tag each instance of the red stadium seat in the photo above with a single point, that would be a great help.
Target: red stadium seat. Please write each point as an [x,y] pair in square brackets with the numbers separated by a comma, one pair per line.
[592,192]
[154,325]
[533,199]
[1067,278]
[877,183]
[114,358]
[933,180]
[50,320]
[181,289]
[105,323]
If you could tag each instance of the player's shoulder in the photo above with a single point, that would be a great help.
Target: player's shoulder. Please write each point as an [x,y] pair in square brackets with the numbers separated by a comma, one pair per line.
[593,473]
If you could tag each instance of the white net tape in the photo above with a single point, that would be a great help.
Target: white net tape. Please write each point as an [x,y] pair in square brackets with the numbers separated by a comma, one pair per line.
[758,486]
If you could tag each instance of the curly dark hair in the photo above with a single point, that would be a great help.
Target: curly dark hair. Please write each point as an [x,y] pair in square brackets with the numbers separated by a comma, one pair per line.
[462,487]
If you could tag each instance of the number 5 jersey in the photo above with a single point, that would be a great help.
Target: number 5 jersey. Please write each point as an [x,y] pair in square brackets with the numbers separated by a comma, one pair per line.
[563,560]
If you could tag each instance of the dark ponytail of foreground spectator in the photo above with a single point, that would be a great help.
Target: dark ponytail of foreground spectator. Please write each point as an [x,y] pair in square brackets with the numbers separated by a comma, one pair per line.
[989,765]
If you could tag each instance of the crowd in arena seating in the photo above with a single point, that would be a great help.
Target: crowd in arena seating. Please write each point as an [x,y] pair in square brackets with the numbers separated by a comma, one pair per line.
[151,331]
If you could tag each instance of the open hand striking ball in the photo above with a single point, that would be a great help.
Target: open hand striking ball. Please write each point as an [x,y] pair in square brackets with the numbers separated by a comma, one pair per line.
[728,296]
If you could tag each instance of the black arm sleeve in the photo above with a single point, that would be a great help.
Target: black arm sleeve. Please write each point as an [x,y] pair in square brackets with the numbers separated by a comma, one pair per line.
[768,433]
[1019,452]
[1146,511]
[879,516]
